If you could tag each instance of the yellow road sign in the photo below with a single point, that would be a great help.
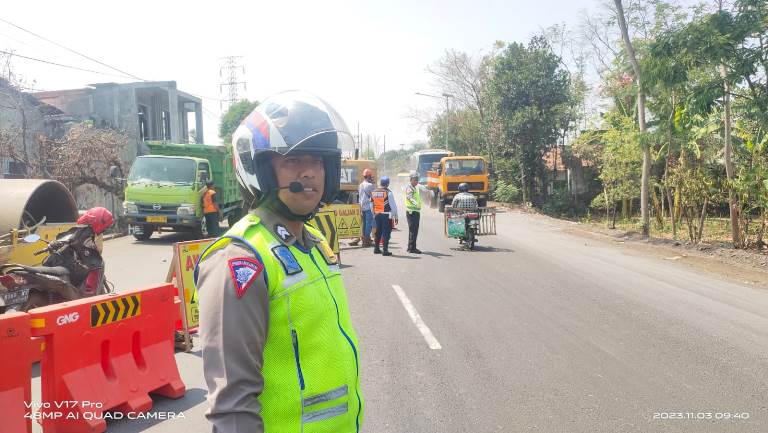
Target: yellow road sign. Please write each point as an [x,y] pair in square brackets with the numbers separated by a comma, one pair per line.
[348,220]
[186,256]
[325,221]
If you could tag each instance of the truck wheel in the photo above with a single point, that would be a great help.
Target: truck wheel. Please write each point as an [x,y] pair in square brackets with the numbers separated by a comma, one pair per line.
[441,202]
[483,202]
[145,234]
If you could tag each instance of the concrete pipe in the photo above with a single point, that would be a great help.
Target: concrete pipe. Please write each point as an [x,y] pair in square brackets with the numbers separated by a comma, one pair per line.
[27,201]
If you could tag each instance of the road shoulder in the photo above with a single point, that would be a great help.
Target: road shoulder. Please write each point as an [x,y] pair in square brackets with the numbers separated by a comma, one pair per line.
[744,266]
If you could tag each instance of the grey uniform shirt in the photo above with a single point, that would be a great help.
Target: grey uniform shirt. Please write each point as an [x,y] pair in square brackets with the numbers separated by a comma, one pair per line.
[233,332]
[364,195]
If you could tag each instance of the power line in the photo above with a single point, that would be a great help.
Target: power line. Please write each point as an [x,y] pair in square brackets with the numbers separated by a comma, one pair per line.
[63,66]
[72,51]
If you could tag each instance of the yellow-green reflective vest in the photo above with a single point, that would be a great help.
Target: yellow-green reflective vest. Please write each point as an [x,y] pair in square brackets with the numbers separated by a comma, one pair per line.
[415,205]
[311,359]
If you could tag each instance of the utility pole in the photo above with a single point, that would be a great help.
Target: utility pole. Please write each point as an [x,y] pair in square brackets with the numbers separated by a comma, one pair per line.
[447,109]
[229,73]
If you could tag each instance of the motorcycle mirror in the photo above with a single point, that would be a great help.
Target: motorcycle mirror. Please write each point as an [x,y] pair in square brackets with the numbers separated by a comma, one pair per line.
[31,239]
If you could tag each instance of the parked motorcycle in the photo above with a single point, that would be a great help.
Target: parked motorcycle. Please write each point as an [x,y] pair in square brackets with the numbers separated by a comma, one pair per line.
[74,268]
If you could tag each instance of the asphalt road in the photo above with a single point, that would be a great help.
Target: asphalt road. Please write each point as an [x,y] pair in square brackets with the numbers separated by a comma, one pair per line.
[538,330]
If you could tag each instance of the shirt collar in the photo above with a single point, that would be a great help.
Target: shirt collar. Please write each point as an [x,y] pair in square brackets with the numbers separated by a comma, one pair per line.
[278,227]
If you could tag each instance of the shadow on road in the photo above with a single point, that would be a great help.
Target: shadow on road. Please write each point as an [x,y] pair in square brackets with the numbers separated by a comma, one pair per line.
[435,254]
[480,249]
[165,239]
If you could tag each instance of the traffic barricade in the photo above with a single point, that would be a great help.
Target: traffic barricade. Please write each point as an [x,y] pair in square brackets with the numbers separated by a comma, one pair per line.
[16,357]
[106,353]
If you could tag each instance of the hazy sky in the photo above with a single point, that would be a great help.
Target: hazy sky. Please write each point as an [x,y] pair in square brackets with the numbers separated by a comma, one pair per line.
[366,58]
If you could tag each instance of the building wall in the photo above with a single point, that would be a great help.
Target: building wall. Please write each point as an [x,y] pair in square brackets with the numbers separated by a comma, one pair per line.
[15,108]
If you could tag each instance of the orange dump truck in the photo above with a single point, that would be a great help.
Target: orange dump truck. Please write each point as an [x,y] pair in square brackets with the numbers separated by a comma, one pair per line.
[451,171]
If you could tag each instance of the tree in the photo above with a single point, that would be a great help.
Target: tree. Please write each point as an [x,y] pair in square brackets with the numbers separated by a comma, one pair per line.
[83,156]
[465,78]
[731,46]
[463,128]
[628,46]
[232,118]
[529,90]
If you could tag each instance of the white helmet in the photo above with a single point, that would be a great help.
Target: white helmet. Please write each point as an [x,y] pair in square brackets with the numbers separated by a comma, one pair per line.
[292,121]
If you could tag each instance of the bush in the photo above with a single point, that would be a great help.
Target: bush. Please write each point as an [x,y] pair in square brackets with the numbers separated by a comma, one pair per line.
[506,192]
[559,203]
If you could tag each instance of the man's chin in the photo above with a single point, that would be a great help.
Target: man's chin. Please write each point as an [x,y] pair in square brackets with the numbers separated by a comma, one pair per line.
[303,209]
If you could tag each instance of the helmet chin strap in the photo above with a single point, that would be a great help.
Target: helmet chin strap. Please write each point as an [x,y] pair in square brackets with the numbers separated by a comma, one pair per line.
[273,203]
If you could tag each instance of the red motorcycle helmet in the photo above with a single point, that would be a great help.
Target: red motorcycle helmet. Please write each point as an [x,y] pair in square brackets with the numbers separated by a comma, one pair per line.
[98,218]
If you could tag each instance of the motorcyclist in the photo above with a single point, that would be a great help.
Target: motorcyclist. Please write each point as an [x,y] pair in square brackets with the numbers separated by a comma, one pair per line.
[464,200]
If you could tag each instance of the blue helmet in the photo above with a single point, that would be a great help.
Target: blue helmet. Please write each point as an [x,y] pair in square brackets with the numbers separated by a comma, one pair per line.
[384,181]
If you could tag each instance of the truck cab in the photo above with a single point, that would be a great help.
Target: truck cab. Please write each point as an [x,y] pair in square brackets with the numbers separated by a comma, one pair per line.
[451,171]
[164,189]
[165,192]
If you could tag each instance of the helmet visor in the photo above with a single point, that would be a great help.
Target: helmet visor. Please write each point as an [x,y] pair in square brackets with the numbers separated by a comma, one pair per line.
[305,122]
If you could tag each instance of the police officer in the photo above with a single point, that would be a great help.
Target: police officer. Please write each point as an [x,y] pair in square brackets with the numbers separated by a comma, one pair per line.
[413,211]
[279,350]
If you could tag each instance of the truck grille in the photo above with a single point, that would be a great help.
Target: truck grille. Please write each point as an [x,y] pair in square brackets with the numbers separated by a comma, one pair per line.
[477,186]
[164,209]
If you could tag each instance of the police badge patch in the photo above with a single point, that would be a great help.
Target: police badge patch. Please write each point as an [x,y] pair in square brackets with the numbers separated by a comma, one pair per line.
[283,232]
[244,271]
[287,259]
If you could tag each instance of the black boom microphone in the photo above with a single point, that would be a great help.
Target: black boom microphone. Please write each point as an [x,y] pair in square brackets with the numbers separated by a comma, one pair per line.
[294,187]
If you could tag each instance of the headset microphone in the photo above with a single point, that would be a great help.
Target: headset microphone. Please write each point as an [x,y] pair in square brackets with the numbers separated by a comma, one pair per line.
[296,187]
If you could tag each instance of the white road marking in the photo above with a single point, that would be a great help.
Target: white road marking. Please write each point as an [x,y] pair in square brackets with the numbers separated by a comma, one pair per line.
[416,318]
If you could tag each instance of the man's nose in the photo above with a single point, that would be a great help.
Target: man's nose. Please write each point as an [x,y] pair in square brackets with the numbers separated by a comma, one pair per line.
[308,170]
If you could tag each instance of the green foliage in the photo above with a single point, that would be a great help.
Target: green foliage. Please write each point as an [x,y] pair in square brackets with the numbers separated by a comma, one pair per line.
[232,118]
[464,132]
[621,159]
[529,101]
[530,92]
[506,192]
[559,204]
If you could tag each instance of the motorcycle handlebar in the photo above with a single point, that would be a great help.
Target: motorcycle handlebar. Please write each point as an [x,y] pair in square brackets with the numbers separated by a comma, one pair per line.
[44,250]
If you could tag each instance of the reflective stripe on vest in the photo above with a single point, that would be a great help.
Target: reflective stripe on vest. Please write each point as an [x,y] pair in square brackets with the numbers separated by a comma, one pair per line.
[315,390]
[380,199]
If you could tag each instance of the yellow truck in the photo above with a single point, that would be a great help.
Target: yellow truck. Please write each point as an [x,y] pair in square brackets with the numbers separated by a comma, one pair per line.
[444,179]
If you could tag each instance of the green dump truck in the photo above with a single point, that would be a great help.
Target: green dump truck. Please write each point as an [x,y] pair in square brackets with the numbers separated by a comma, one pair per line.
[164,189]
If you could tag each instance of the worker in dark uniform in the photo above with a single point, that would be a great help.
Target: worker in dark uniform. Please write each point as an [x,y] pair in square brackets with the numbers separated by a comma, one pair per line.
[279,350]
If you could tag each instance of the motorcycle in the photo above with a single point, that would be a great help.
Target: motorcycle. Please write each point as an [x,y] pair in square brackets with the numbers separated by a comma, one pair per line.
[74,268]
[472,226]
[463,225]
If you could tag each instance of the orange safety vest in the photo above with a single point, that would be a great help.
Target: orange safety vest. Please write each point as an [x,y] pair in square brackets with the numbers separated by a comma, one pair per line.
[209,206]
[380,200]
